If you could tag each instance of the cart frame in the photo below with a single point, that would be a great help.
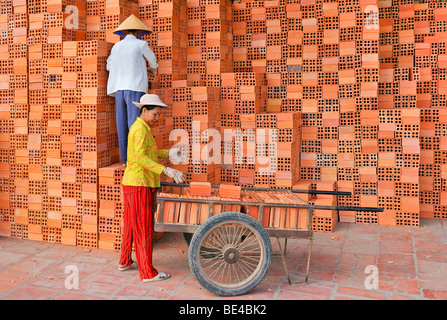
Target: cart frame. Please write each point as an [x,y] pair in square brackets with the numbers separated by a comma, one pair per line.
[303,233]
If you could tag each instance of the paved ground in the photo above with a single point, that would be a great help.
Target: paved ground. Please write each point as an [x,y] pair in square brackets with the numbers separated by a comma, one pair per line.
[406,263]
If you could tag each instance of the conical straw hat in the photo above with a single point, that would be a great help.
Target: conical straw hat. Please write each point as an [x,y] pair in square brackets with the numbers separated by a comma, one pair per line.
[132,23]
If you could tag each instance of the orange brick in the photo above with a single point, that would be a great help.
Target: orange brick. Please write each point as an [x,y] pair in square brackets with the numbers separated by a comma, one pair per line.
[200,189]
[230,191]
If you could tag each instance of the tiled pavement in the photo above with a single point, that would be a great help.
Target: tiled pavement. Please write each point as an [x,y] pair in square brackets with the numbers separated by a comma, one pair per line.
[410,263]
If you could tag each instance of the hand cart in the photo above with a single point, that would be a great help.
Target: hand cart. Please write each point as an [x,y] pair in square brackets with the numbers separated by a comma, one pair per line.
[230,250]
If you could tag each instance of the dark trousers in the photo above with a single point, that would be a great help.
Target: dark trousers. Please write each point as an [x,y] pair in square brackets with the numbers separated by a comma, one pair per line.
[126,113]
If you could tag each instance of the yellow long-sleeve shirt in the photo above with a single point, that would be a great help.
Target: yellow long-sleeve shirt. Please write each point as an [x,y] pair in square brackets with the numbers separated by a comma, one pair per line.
[143,168]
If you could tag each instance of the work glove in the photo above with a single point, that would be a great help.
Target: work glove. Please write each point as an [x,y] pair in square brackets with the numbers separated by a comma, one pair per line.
[174,174]
[176,157]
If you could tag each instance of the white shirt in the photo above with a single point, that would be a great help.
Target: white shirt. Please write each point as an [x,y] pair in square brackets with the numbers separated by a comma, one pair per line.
[127,65]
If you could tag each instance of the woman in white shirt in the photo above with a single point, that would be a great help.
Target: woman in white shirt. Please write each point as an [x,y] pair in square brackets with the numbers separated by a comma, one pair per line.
[128,79]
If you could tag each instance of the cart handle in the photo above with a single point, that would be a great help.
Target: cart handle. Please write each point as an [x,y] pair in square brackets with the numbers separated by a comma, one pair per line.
[335,193]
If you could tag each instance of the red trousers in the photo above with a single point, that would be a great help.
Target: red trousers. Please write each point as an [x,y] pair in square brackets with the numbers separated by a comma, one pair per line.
[139,228]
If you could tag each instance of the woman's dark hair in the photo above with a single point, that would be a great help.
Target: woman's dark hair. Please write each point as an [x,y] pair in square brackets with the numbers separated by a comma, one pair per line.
[148,107]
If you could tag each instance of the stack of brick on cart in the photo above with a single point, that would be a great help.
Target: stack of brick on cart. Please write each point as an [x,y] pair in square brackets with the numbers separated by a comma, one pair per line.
[353,92]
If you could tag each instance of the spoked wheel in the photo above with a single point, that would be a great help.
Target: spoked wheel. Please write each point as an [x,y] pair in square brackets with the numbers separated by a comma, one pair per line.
[230,254]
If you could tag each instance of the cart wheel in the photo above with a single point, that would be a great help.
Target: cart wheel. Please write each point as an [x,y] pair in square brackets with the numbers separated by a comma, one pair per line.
[230,254]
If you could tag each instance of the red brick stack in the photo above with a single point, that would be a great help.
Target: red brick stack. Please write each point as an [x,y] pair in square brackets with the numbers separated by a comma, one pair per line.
[354,103]
[196,100]
[398,120]
[76,118]
[67,130]
[104,16]
[262,55]
[110,206]
[429,74]
[167,20]
[14,121]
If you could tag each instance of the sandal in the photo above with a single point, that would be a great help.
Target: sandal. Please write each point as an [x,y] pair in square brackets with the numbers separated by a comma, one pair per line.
[133,265]
[160,276]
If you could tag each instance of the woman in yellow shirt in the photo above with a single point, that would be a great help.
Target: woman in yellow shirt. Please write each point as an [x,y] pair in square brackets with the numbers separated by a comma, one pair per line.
[140,182]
